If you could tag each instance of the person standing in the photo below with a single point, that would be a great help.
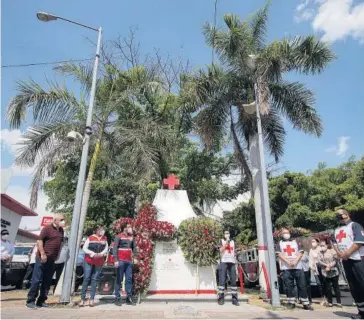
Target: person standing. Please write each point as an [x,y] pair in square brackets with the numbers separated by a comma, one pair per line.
[306,270]
[59,264]
[29,272]
[328,261]
[348,244]
[290,254]
[227,264]
[313,262]
[79,266]
[7,250]
[95,249]
[49,247]
[123,250]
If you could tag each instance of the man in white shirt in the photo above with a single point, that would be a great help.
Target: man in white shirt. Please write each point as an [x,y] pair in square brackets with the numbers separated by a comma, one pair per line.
[290,255]
[59,263]
[227,264]
[7,249]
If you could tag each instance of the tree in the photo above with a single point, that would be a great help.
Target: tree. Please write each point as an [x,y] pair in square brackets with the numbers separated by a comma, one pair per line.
[306,201]
[218,93]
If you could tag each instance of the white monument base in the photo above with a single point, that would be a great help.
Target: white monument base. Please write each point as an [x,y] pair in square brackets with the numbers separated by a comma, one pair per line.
[172,274]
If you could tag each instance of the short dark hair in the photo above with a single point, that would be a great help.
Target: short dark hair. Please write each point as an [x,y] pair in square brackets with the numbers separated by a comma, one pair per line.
[123,226]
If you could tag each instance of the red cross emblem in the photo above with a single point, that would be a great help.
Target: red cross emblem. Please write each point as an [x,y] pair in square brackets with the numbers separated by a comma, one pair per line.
[171,182]
[289,250]
[228,248]
[341,236]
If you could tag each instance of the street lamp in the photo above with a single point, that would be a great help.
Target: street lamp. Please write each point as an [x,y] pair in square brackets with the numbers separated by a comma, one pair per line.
[261,198]
[69,269]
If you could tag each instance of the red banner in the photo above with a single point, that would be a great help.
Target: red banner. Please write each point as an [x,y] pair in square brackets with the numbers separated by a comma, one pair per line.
[46,221]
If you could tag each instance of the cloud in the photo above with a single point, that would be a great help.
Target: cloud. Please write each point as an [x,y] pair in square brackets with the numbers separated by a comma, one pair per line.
[334,19]
[9,140]
[341,148]
[22,195]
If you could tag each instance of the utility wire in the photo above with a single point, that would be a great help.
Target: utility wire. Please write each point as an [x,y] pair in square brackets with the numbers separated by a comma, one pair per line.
[42,63]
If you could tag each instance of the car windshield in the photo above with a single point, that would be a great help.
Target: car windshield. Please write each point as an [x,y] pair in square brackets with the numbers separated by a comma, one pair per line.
[22,250]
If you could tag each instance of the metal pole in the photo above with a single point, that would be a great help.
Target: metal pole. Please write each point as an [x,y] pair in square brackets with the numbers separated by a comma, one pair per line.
[267,219]
[258,205]
[67,283]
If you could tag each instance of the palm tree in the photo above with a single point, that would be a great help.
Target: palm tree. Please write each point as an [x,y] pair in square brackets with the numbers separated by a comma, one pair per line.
[253,70]
[57,111]
[218,93]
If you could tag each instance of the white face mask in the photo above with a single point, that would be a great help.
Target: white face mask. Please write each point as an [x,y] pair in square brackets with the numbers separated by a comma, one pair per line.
[130,230]
[62,223]
[323,248]
[5,237]
[286,236]
[227,236]
[102,233]
[314,245]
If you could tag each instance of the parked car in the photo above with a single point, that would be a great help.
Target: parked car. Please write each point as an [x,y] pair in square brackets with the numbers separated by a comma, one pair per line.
[15,271]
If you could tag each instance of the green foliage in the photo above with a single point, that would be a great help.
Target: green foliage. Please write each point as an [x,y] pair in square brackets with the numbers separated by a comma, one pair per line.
[306,201]
[198,238]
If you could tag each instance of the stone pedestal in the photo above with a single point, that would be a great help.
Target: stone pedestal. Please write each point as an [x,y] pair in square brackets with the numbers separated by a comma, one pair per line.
[172,274]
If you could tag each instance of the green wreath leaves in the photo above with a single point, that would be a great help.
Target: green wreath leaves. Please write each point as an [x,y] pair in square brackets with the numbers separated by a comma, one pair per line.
[198,238]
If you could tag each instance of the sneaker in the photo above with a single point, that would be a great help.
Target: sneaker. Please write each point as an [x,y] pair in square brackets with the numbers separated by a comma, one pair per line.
[339,305]
[329,305]
[42,305]
[357,316]
[291,306]
[236,303]
[129,301]
[31,305]
[308,307]
[220,299]
[117,302]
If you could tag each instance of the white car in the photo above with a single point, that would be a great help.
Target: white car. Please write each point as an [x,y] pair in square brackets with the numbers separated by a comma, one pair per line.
[21,252]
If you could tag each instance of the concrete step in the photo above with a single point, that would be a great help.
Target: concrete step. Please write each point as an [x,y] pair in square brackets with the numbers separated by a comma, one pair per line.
[177,298]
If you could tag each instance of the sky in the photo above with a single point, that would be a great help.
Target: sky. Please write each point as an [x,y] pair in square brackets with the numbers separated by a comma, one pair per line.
[174,27]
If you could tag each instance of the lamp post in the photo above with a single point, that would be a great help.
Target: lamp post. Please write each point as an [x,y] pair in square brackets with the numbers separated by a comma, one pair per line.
[261,200]
[68,275]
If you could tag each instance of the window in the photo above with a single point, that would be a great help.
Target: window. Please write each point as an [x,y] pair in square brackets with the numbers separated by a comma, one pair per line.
[22,250]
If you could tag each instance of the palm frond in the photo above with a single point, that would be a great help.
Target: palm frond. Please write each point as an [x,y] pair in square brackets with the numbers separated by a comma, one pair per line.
[295,102]
[57,104]
[211,125]
[310,55]
[38,140]
[81,73]
[258,26]
[47,163]
[274,133]
[239,153]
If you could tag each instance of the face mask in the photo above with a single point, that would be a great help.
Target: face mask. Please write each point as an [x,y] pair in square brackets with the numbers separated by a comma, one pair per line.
[102,233]
[227,236]
[286,236]
[5,237]
[323,248]
[62,223]
[130,230]
[314,245]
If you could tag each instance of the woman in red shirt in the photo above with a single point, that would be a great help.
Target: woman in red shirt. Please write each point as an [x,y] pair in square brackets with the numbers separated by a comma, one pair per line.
[95,249]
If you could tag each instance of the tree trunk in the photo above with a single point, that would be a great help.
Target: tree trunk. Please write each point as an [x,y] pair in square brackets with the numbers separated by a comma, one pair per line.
[85,199]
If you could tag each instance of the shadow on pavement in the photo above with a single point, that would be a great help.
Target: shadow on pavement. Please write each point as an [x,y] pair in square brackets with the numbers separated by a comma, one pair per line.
[343,314]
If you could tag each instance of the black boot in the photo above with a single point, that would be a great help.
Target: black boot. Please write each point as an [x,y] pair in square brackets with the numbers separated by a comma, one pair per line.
[220,299]
[129,301]
[117,302]
[235,300]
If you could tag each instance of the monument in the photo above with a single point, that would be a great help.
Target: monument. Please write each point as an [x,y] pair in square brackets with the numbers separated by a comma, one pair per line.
[172,274]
